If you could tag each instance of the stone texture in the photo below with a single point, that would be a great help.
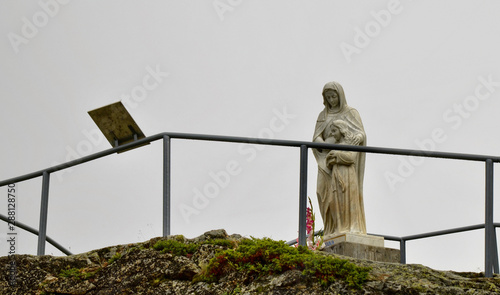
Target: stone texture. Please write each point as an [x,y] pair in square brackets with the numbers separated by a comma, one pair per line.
[363,251]
[142,270]
[370,240]
[340,173]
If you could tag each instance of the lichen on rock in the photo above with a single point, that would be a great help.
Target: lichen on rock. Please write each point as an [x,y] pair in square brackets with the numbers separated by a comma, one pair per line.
[176,264]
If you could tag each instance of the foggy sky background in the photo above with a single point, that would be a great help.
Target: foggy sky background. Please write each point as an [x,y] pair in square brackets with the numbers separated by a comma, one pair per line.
[228,68]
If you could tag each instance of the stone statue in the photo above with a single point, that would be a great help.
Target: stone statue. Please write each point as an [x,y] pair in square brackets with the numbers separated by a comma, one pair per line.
[340,173]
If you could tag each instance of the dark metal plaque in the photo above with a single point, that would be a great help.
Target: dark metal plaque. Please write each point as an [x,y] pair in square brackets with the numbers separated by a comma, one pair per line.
[116,123]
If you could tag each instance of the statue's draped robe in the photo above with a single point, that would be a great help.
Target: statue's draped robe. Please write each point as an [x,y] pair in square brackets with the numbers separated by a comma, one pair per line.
[340,188]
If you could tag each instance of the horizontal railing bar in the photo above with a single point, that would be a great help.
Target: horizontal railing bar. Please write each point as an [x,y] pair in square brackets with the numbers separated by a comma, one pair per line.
[443,232]
[35,232]
[391,238]
[250,140]
[82,160]
[424,235]
[293,242]
[367,149]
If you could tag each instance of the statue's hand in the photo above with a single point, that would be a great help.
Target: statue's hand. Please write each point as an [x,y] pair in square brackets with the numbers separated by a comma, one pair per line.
[357,139]
[331,158]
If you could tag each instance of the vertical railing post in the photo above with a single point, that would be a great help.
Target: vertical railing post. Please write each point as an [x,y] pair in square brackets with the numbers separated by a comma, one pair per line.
[44,206]
[303,195]
[402,251]
[166,185]
[489,243]
[496,268]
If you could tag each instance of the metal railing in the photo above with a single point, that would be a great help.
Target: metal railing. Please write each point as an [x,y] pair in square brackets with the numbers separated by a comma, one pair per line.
[491,253]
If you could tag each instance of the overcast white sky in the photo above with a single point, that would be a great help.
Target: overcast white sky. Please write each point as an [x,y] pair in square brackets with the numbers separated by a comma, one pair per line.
[420,73]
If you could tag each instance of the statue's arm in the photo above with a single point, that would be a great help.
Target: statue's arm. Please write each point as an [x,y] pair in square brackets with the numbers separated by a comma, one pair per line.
[319,139]
[319,128]
[359,134]
[346,157]
[341,158]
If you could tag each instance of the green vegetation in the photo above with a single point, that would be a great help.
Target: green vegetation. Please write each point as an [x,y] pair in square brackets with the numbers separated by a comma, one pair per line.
[235,291]
[259,257]
[221,242]
[179,247]
[176,248]
[115,258]
[76,273]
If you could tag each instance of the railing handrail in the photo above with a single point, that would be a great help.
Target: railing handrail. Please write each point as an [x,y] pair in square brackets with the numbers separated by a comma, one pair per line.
[252,140]
[422,235]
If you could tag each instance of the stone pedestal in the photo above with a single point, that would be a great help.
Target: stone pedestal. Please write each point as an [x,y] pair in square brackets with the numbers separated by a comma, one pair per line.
[361,247]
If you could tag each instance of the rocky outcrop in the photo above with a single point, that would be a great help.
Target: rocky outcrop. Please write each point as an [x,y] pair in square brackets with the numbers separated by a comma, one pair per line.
[143,268]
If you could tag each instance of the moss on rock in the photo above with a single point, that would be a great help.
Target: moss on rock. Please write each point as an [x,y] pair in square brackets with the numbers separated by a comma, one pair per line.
[176,265]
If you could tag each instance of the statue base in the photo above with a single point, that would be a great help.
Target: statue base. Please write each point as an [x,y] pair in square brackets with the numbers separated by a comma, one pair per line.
[361,247]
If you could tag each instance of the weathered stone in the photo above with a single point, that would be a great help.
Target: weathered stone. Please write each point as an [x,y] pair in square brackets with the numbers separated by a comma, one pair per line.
[138,269]
[362,251]
[370,240]
[340,173]
[68,286]
[288,279]
[204,254]
[211,235]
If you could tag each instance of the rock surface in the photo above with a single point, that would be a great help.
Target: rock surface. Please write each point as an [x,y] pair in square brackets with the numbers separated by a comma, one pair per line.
[140,269]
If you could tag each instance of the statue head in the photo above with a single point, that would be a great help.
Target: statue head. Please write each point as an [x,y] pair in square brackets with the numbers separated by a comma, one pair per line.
[343,131]
[333,96]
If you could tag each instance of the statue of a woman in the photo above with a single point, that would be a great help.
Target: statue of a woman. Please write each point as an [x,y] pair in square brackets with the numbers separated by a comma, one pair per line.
[340,173]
